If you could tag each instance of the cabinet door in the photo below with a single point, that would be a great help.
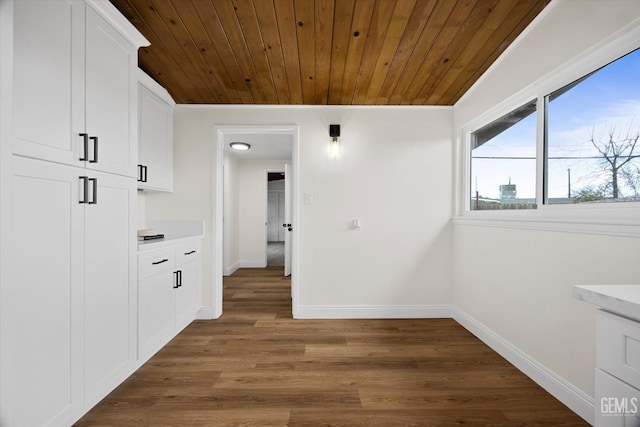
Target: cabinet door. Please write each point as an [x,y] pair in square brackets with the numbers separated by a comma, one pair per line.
[156,313]
[187,294]
[155,141]
[42,304]
[110,279]
[110,102]
[48,111]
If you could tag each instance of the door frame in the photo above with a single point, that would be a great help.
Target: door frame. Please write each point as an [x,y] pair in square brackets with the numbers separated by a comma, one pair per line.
[219,133]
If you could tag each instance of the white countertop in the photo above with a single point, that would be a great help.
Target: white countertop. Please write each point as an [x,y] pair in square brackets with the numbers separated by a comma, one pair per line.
[619,299]
[168,240]
[175,232]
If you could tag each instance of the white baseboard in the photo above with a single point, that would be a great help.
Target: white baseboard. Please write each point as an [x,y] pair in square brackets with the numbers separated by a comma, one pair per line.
[228,271]
[561,389]
[205,313]
[252,264]
[373,311]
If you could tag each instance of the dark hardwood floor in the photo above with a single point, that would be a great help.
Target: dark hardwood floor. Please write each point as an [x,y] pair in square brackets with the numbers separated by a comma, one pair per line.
[256,366]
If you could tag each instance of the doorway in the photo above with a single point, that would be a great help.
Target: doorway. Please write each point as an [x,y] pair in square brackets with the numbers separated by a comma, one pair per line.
[263,140]
[276,223]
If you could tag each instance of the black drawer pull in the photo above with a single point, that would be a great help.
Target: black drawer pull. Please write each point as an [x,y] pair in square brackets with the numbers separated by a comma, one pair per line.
[160,262]
[189,253]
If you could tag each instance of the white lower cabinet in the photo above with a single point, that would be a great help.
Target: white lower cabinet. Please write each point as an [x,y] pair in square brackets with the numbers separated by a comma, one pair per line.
[110,292]
[168,289]
[68,312]
[617,375]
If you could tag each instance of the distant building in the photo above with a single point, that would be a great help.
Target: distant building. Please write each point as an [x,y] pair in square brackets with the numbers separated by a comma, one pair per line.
[508,191]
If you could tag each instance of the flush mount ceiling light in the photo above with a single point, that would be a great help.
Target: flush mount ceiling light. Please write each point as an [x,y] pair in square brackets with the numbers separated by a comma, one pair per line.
[242,146]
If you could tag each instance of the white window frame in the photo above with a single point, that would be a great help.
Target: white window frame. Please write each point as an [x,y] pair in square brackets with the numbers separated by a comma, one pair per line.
[615,218]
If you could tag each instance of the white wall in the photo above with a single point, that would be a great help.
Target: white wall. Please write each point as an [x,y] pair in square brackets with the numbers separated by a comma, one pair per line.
[252,211]
[517,282]
[231,256]
[394,174]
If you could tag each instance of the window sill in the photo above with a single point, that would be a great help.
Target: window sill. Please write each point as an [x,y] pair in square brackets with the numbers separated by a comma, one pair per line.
[540,221]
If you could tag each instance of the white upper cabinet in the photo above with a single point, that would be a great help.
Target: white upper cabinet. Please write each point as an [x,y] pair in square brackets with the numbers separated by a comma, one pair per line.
[74,85]
[110,118]
[48,86]
[155,125]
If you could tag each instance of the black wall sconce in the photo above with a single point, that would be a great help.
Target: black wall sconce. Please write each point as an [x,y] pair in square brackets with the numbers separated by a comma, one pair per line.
[334,144]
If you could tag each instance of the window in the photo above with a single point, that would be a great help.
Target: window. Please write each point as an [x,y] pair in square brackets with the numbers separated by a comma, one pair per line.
[591,145]
[503,162]
[592,131]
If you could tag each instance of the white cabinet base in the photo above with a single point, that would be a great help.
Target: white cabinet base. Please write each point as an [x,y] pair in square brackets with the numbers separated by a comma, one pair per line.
[617,403]
[168,293]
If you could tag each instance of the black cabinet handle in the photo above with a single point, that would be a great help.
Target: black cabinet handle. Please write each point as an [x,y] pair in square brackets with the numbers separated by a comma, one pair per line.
[189,253]
[85,189]
[176,285]
[142,173]
[83,157]
[160,262]
[95,149]
[95,191]
[179,278]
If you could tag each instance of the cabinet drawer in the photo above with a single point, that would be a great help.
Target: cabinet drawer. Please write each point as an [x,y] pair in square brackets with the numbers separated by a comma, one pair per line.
[155,262]
[617,404]
[186,252]
[618,347]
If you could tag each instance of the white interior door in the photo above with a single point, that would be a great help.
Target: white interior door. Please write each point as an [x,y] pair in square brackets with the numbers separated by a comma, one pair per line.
[287,219]
[273,219]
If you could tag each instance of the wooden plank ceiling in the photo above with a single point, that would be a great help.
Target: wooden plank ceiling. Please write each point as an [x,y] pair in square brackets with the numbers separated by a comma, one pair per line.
[319,52]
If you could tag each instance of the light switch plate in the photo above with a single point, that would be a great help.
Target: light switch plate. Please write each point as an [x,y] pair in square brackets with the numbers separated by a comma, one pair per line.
[308,198]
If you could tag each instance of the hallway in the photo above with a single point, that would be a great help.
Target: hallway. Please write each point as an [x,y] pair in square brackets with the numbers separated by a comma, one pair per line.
[257,366]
